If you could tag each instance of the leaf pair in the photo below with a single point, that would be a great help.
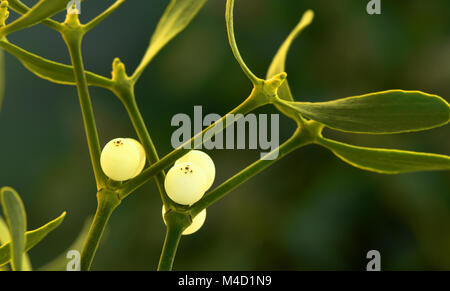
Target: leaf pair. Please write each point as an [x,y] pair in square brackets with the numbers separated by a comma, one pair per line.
[177,16]
[20,240]
[393,111]
[388,112]
[5,237]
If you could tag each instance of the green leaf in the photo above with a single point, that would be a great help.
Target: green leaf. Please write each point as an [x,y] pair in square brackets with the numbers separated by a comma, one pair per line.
[386,161]
[279,61]
[14,212]
[60,262]
[52,71]
[32,238]
[4,232]
[175,19]
[26,263]
[41,11]
[5,237]
[21,8]
[387,112]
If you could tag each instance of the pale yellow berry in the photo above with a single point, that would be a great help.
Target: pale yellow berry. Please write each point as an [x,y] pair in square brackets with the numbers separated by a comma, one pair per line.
[120,159]
[142,157]
[204,161]
[196,224]
[185,183]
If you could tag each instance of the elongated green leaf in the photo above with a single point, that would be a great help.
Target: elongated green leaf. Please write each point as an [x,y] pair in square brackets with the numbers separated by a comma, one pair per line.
[175,19]
[60,262]
[14,212]
[42,10]
[52,71]
[279,61]
[32,238]
[5,237]
[21,8]
[4,232]
[26,263]
[387,112]
[386,161]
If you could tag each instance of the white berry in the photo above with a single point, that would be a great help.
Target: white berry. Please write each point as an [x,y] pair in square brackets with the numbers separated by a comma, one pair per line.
[120,159]
[196,224]
[204,161]
[185,183]
[142,157]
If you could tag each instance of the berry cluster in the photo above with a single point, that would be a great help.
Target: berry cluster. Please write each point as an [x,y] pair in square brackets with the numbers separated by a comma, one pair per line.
[186,182]
[190,177]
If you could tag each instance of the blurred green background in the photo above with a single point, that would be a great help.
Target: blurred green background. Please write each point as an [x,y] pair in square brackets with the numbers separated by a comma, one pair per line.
[310,211]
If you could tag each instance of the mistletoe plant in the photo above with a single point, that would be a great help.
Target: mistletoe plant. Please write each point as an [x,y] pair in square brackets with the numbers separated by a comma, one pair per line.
[388,112]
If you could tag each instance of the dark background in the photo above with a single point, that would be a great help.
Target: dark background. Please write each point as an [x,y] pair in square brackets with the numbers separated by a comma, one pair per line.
[308,211]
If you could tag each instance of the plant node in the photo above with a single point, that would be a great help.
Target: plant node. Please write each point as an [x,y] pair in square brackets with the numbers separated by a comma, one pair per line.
[310,130]
[178,219]
[108,198]
[272,85]
[72,20]
[123,85]
[119,73]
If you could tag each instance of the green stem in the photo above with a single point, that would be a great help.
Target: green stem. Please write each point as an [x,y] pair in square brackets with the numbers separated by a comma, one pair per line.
[175,227]
[232,40]
[73,38]
[107,202]
[254,101]
[296,141]
[129,102]
[173,236]
[94,22]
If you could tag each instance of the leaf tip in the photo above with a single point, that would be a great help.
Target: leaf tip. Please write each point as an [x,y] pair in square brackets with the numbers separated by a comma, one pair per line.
[307,17]
[5,189]
[60,218]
